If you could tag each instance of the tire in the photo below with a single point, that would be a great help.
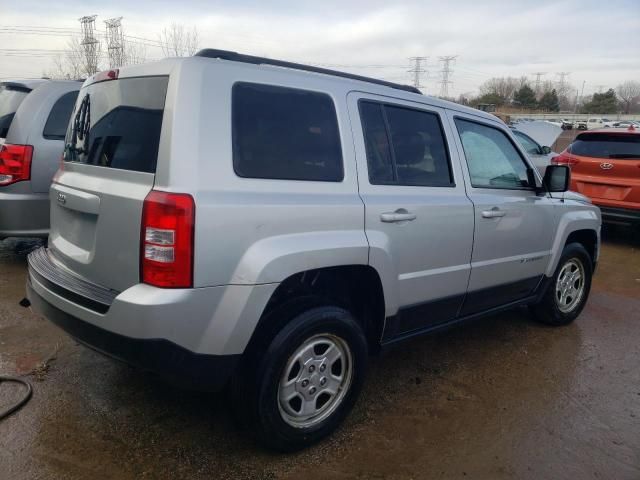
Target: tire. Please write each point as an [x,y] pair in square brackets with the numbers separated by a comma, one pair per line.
[556,308]
[296,356]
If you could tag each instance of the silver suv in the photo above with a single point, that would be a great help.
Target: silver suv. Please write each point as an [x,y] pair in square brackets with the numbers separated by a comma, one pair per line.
[234,220]
[34,115]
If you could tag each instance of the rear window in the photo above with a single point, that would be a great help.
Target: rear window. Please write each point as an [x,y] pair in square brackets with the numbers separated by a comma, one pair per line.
[606,145]
[10,99]
[117,123]
[285,134]
[58,120]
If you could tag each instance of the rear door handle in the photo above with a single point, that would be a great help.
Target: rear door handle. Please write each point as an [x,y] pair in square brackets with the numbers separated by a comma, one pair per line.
[493,213]
[397,216]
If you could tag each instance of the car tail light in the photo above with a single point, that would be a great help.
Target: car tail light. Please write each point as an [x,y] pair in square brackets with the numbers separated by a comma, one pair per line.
[106,75]
[564,159]
[15,163]
[167,240]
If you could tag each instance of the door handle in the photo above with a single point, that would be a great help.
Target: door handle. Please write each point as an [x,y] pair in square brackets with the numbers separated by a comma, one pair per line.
[400,215]
[495,212]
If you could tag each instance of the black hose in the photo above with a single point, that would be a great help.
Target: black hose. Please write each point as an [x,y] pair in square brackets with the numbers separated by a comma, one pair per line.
[22,402]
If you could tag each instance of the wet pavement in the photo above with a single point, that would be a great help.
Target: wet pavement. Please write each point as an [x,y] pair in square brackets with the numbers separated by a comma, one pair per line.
[501,398]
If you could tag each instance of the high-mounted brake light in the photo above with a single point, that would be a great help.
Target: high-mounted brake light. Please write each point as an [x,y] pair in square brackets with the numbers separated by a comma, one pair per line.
[167,240]
[106,75]
[15,163]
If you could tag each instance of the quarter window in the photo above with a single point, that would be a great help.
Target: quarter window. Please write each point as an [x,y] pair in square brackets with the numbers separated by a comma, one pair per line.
[58,120]
[404,146]
[492,159]
[285,133]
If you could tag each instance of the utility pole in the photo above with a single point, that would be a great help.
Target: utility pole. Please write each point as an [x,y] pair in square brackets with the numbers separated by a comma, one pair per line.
[446,74]
[418,70]
[89,43]
[115,42]
[538,81]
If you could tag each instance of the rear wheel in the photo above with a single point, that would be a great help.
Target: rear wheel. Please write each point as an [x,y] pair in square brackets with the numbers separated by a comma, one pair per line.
[567,295]
[300,387]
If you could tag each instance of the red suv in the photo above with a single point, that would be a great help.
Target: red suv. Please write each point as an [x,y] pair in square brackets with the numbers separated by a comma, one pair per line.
[605,166]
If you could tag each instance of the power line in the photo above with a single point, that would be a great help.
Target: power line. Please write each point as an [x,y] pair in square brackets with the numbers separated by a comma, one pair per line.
[538,81]
[446,74]
[417,70]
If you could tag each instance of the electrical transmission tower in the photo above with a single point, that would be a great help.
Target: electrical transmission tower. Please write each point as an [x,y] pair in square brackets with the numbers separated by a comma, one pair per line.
[90,44]
[561,81]
[538,81]
[115,42]
[446,74]
[418,70]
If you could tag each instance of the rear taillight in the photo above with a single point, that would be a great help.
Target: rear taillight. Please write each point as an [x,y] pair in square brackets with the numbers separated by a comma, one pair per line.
[167,240]
[564,159]
[15,163]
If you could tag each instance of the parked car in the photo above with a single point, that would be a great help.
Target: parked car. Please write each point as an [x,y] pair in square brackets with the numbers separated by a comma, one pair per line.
[598,122]
[566,124]
[580,124]
[540,155]
[626,124]
[234,220]
[605,167]
[34,118]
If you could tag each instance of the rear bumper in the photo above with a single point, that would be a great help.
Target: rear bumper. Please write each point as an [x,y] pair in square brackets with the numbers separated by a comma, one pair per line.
[626,215]
[189,336]
[23,214]
[177,365]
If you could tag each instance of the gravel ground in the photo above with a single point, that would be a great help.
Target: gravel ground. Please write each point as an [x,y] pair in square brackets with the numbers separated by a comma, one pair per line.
[500,398]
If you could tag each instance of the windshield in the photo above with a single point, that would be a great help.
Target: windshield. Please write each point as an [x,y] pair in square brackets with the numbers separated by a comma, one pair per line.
[116,124]
[599,145]
[10,99]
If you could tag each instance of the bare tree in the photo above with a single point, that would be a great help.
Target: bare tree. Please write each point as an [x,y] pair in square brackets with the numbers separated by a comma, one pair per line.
[134,53]
[177,41]
[72,64]
[629,94]
[503,87]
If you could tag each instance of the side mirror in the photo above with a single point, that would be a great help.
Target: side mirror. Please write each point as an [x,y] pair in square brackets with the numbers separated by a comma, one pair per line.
[557,178]
[545,150]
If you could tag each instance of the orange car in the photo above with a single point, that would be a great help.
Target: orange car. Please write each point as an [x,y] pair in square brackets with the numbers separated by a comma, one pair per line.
[605,166]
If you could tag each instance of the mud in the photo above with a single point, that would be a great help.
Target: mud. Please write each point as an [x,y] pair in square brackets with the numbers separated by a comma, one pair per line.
[501,398]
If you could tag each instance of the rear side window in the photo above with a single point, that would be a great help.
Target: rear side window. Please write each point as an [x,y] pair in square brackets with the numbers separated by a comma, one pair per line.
[285,133]
[58,120]
[10,99]
[606,145]
[117,123]
[404,146]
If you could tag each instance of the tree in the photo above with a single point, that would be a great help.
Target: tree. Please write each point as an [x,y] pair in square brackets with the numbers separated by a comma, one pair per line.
[72,64]
[503,87]
[602,103]
[550,101]
[629,94]
[489,99]
[177,41]
[525,97]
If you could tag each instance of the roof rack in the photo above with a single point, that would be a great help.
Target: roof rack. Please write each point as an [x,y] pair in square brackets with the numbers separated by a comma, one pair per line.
[239,57]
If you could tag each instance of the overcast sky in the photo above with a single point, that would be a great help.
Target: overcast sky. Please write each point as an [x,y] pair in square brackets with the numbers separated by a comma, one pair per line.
[597,41]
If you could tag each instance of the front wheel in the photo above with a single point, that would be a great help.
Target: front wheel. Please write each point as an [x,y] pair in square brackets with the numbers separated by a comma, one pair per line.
[567,295]
[306,380]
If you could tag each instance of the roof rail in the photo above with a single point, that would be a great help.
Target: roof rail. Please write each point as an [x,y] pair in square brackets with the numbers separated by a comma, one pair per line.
[239,57]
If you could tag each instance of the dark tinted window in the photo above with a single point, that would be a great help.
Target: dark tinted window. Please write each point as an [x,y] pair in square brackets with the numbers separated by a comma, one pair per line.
[492,159]
[417,153]
[606,145]
[58,120]
[10,99]
[284,133]
[117,123]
